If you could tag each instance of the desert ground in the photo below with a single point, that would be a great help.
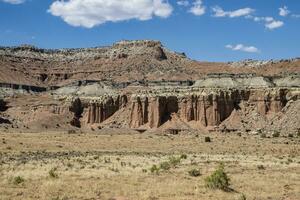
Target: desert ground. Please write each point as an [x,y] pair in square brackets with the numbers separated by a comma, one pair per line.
[116,165]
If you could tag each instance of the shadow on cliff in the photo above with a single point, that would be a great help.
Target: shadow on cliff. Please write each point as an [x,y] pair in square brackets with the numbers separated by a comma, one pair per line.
[77,109]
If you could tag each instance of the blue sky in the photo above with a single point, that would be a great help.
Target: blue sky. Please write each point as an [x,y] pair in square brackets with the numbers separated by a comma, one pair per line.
[207,30]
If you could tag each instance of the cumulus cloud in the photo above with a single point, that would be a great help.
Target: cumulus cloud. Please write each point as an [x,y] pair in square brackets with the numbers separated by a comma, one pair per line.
[284,11]
[14,1]
[89,13]
[274,25]
[241,47]
[270,22]
[219,12]
[198,8]
[183,3]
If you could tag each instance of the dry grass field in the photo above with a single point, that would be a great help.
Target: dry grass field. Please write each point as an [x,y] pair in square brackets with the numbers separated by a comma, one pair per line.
[62,166]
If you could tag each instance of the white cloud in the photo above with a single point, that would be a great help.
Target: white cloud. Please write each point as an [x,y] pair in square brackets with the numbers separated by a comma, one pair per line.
[270,22]
[296,15]
[198,8]
[183,3]
[14,1]
[219,12]
[241,47]
[274,24]
[89,13]
[284,11]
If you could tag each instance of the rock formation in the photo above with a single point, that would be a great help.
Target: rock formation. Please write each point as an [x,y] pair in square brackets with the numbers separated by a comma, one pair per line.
[38,69]
[140,85]
[209,107]
[77,109]
[99,112]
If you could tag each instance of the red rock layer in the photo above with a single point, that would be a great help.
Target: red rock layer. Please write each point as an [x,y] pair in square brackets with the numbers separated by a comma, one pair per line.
[209,107]
[99,112]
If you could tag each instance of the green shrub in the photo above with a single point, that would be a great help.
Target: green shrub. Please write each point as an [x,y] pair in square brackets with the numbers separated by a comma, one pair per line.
[195,172]
[183,156]
[71,131]
[174,161]
[69,165]
[154,169]
[207,139]
[165,166]
[276,134]
[52,173]
[18,180]
[261,167]
[218,179]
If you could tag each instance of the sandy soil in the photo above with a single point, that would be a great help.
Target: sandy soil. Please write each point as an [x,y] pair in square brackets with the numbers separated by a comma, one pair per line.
[58,165]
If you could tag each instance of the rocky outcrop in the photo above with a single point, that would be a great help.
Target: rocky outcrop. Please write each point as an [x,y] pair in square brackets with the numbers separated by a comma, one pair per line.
[38,69]
[28,88]
[139,112]
[209,108]
[77,109]
[98,112]
[268,101]
[3,107]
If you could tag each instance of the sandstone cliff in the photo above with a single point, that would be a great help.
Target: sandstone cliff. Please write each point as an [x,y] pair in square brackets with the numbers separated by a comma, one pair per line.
[97,112]
[205,107]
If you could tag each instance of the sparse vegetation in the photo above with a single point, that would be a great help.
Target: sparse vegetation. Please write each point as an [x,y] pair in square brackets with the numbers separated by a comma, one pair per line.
[102,174]
[114,169]
[218,179]
[194,172]
[154,169]
[52,173]
[263,135]
[242,197]
[174,161]
[276,134]
[183,156]
[261,167]
[18,180]
[207,139]
[71,131]
[167,165]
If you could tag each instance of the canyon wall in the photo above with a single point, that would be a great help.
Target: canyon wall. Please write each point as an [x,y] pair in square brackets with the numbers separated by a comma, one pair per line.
[98,112]
[208,107]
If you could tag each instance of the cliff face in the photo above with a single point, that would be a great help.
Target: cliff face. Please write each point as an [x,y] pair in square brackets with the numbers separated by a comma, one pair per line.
[206,107]
[98,112]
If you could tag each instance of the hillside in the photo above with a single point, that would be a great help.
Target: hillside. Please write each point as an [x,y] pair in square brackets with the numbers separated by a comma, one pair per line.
[125,61]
